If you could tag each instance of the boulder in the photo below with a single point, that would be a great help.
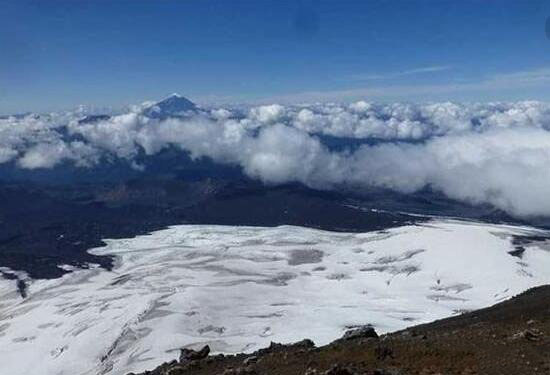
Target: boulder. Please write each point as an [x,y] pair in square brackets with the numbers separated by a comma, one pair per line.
[366,331]
[187,355]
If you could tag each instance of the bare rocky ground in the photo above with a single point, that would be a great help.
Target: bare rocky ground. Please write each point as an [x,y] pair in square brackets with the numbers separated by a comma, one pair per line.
[512,337]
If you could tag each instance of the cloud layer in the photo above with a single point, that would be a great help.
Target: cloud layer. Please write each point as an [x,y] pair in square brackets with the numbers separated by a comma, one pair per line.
[483,153]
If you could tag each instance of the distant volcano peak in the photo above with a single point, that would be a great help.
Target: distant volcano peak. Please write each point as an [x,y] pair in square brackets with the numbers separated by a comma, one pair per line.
[174,105]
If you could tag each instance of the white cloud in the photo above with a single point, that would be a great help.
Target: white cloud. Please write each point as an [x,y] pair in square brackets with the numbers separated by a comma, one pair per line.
[267,113]
[504,167]
[7,154]
[280,154]
[44,155]
[495,153]
[47,155]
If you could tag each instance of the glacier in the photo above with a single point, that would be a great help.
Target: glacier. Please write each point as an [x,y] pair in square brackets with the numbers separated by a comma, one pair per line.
[239,288]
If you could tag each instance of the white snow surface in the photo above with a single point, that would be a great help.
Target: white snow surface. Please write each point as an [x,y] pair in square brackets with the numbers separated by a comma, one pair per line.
[238,288]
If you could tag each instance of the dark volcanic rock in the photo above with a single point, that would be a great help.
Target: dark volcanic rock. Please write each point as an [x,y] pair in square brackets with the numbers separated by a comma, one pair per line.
[363,332]
[338,370]
[187,355]
[518,252]
[92,119]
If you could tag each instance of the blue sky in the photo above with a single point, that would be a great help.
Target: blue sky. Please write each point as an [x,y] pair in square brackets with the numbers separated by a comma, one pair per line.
[58,54]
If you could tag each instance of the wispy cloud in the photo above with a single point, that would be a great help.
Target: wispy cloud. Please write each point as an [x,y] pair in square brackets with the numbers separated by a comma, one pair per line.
[535,76]
[403,73]
[495,87]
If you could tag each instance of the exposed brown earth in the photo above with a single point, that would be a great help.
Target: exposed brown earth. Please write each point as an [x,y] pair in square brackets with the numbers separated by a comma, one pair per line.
[512,337]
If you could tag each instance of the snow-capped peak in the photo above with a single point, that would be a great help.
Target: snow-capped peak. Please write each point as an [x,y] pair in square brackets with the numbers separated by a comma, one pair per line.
[174,105]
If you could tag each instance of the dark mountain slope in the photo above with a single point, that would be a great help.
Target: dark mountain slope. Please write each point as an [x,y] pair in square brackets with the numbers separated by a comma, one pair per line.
[512,337]
[43,226]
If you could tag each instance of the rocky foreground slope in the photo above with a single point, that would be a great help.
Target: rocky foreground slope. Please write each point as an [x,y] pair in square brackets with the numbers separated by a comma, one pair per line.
[512,337]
